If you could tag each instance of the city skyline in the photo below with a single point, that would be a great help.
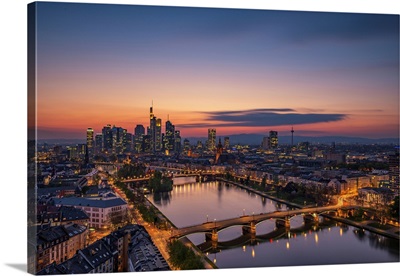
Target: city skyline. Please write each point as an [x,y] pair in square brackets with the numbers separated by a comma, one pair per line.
[240,71]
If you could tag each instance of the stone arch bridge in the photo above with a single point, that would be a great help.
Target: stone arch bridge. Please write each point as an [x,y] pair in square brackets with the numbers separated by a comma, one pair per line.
[249,222]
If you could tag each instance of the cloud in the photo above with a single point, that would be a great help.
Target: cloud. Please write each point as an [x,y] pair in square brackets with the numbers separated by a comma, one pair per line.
[263,118]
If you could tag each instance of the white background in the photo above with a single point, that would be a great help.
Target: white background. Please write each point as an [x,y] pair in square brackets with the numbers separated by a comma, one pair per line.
[13,60]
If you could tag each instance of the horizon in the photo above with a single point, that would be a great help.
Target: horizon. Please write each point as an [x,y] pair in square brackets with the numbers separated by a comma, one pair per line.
[239,71]
[249,139]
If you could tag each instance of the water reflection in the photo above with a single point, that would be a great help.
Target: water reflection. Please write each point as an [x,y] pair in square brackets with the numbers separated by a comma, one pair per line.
[274,235]
[162,199]
[316,237]
[303,244]
[263,201]
[220,187]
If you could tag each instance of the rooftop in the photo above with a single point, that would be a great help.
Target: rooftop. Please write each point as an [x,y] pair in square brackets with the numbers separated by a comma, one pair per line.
[98,203]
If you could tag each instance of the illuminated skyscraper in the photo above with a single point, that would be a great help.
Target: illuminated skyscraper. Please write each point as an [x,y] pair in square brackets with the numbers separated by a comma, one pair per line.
[107,138]
[211,141]
[152,129]
[273,139]
[139,133]
[186,146]
[157,138]
[226,143]
[90,141]
[394,170]
[169,140]
[139,130]
[178,144]
[98,142]
[126,141]
[146,144]
[118,134]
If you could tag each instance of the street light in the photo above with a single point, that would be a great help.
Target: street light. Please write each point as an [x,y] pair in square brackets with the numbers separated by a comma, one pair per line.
[243,211]
[207,218]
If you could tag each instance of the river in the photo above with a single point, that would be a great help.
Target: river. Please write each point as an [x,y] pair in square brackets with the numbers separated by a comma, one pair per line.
[328,242]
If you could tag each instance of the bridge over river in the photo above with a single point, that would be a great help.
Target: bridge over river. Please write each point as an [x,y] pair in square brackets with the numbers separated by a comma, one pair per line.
[249,222]
[251,239]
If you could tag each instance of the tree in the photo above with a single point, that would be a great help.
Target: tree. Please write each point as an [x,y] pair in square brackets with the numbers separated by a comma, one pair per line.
[131,170]
[183,257]
[118,217]
[228,176]
[263,183]
[159,183]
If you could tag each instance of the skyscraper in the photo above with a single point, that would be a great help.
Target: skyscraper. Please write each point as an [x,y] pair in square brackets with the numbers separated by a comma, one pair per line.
[107,138]
[118,135]
[186,145]
[394,170]
[98,142]
[211,141]
[139,130]
[226,143]
[139,133]
[169,142]
[177,138]
[273,139]
[126,141]
[152,129]
[146,144]
[157,138]
[89,141]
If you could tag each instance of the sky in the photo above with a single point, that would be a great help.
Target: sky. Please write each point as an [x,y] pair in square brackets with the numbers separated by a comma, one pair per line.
[239,71]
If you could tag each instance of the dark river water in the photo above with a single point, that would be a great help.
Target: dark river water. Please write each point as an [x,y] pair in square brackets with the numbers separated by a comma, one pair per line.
[327,242]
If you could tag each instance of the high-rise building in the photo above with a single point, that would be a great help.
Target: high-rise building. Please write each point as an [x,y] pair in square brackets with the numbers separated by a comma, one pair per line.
[81,149]
[107,138]
[264,143]
[146,146]
[139,130]
[226,143]
[169,141]
[118,134]
[127,141]
[177,138]
[152,130]
[158,138]
[273,139]
[90,141]
[211,141]
[98,142]
[394,170]
[72,152]
[186,145]
[139,133]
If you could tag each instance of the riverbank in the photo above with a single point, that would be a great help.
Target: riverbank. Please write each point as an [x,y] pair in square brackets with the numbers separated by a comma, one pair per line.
[390,233]
[208,264]
[364,226]
[288,203]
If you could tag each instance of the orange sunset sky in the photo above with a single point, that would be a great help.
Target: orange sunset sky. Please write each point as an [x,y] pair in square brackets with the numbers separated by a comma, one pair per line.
[239,71]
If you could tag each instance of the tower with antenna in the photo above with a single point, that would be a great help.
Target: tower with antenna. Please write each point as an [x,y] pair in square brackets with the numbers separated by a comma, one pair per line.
[292,131]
